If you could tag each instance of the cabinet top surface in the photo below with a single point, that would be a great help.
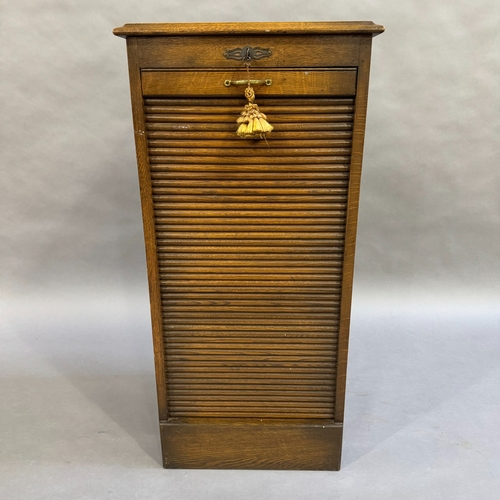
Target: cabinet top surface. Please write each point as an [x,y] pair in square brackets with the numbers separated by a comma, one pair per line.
[166,29]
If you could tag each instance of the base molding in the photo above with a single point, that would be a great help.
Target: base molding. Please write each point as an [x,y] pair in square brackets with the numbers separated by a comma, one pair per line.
[226,443]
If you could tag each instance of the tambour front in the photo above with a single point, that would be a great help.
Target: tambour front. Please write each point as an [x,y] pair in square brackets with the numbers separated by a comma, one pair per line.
[250,242]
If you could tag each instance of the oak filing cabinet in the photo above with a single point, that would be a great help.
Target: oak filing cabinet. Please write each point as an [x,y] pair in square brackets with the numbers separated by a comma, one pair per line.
[250,241]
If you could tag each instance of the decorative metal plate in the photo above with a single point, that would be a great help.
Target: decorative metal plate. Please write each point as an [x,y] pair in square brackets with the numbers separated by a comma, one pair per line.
[247,53]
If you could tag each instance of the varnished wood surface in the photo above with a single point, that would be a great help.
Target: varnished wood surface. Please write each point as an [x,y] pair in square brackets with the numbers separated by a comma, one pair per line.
[220,443]
[297,51]
[149,225]
[252,354]
[211,83]
[351,224]
[260,28]
[239,444]
[250,244]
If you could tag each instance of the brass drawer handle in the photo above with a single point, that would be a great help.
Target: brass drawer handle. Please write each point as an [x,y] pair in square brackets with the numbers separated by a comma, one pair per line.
[228,83]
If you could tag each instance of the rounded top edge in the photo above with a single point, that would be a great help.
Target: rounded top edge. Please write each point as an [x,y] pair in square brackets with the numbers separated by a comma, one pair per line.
[258,28]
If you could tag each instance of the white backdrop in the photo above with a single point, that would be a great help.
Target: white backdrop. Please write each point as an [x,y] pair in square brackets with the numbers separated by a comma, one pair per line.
[73,278]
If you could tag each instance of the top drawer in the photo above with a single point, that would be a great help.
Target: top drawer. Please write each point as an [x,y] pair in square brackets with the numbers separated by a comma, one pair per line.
[334,82]
[287,51]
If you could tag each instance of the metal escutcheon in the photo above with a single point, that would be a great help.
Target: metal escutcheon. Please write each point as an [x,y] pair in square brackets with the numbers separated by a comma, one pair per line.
[247,53]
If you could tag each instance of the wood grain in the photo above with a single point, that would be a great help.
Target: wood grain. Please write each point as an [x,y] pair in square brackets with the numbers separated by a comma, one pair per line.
[259,28]
[250,243]
[211,83]
[351,224]
[299,51]
[233,444]
[211,343]
[149,225]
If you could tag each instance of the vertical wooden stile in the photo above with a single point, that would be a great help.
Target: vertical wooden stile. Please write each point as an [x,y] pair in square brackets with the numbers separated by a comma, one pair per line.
[352,220]
[148,223]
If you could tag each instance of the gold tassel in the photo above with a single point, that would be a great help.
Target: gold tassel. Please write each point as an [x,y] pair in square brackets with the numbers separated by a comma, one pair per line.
[252,123]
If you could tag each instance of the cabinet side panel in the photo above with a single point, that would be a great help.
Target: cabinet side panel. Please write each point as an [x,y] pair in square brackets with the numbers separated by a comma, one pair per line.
[149,223]
[352,221]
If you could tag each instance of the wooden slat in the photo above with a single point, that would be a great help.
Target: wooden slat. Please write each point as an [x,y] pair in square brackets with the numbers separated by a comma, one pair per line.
[199,109]
[250,311]
[193,323]
[267,295]
[250,146]
[180,136]
[206,399]
[258,196]
[282,101]
[304,381]
[319,190]
[307,204]
[241,353]
[242,153]
[245,242]
[328,365]
[251,161]
[248,235]
[175,269]
[225,249]
[307,372]
[253,413]
[264,385]
[263,337]
[161,182]
[251,214]
[218,339]
[186,227]
[239,404]
[312,304]
[286,118]
[230,127]
[248,260]
[335,172]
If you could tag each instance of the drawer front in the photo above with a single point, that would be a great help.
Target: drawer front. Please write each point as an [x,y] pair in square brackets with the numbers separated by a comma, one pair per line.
[295,51]
[211,83]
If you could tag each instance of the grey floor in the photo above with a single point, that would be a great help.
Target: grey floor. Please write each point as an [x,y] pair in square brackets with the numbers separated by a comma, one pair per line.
[78,417]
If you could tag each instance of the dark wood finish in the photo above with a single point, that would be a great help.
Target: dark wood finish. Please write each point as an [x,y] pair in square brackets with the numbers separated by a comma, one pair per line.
[284,28]
[149,225]
[352,223]
[211,83]
[240,444]
[297,51]
[248,362]
[250,244]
